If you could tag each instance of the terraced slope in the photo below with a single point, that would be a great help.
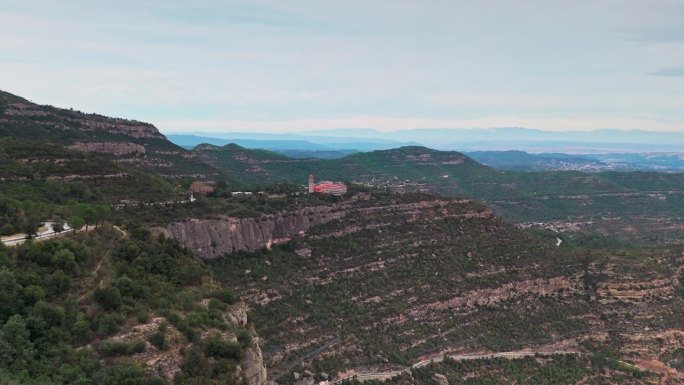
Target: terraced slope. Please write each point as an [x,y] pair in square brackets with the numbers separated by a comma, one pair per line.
[125,141]
[401,276]
[50,172]
[247,165]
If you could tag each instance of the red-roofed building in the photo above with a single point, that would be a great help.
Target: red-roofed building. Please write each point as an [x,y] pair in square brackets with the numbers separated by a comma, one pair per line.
[327,187]
[198,187]
[333,188]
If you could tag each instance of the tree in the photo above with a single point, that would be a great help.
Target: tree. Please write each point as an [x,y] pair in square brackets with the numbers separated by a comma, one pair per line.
[121,373]
[75,222]
[7,229]
[66,260]
[30,226]
[81,330]
[195,363]
[33,294]
[101,214]
[89,216]
[16,348]
[57,227]
[10,295]
[108,297]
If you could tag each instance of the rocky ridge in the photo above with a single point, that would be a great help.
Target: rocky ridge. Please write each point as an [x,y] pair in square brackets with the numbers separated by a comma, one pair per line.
[131,142]
[209,238]
[63,119]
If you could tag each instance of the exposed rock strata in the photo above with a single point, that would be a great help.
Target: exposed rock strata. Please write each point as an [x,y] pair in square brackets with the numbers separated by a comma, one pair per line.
[252,368]
[556,286]
[112,148]
[636,291]
[67,119]
[210,238]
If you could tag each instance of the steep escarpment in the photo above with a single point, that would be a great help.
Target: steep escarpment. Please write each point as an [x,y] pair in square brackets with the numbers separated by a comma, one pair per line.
[627,206]
[210,238]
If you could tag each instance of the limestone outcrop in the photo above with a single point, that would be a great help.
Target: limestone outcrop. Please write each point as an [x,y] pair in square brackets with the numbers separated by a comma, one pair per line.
[112,148]
[209,238]
[252,368]
[555,286]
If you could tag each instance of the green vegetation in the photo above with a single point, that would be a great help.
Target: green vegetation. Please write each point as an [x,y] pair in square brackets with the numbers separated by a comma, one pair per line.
[57,298]
[58,126]
[612,202]
[376,284]
[120,348]
[399,276]
[347,284]
[37,173]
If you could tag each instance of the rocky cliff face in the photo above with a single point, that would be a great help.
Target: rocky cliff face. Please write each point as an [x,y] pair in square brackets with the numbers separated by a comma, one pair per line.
[209,238]
[252,370]
[112,148]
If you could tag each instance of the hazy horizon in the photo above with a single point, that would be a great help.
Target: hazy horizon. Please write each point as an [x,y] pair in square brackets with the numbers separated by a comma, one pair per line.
[272,66]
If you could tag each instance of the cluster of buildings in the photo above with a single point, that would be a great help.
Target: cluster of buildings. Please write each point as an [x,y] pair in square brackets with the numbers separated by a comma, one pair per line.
[326,187]
[323,187]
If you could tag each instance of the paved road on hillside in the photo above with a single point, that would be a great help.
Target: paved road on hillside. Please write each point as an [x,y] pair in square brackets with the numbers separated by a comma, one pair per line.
[48,233]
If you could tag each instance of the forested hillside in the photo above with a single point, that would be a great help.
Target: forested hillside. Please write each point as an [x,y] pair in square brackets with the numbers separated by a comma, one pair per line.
[624,205]
[402,276]
[114,307]
[432,269]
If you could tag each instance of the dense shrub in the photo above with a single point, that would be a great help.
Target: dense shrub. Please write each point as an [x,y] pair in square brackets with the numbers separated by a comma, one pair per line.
[158,339]
[108,297]
[214,346]
[120,348]
[225,295]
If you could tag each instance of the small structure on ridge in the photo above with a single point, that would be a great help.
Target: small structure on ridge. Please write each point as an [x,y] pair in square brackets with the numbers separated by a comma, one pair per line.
[201,188]
[326,187]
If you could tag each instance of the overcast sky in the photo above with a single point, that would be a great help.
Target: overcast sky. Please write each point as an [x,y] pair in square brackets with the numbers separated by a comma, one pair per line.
[287,65]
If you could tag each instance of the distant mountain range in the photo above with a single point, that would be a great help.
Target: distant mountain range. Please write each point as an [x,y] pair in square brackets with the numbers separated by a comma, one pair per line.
[477,139]
[119,160]
[581,156]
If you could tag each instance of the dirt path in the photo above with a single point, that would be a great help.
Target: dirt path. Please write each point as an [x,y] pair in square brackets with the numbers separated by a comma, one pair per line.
[96,272]
[124,234]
